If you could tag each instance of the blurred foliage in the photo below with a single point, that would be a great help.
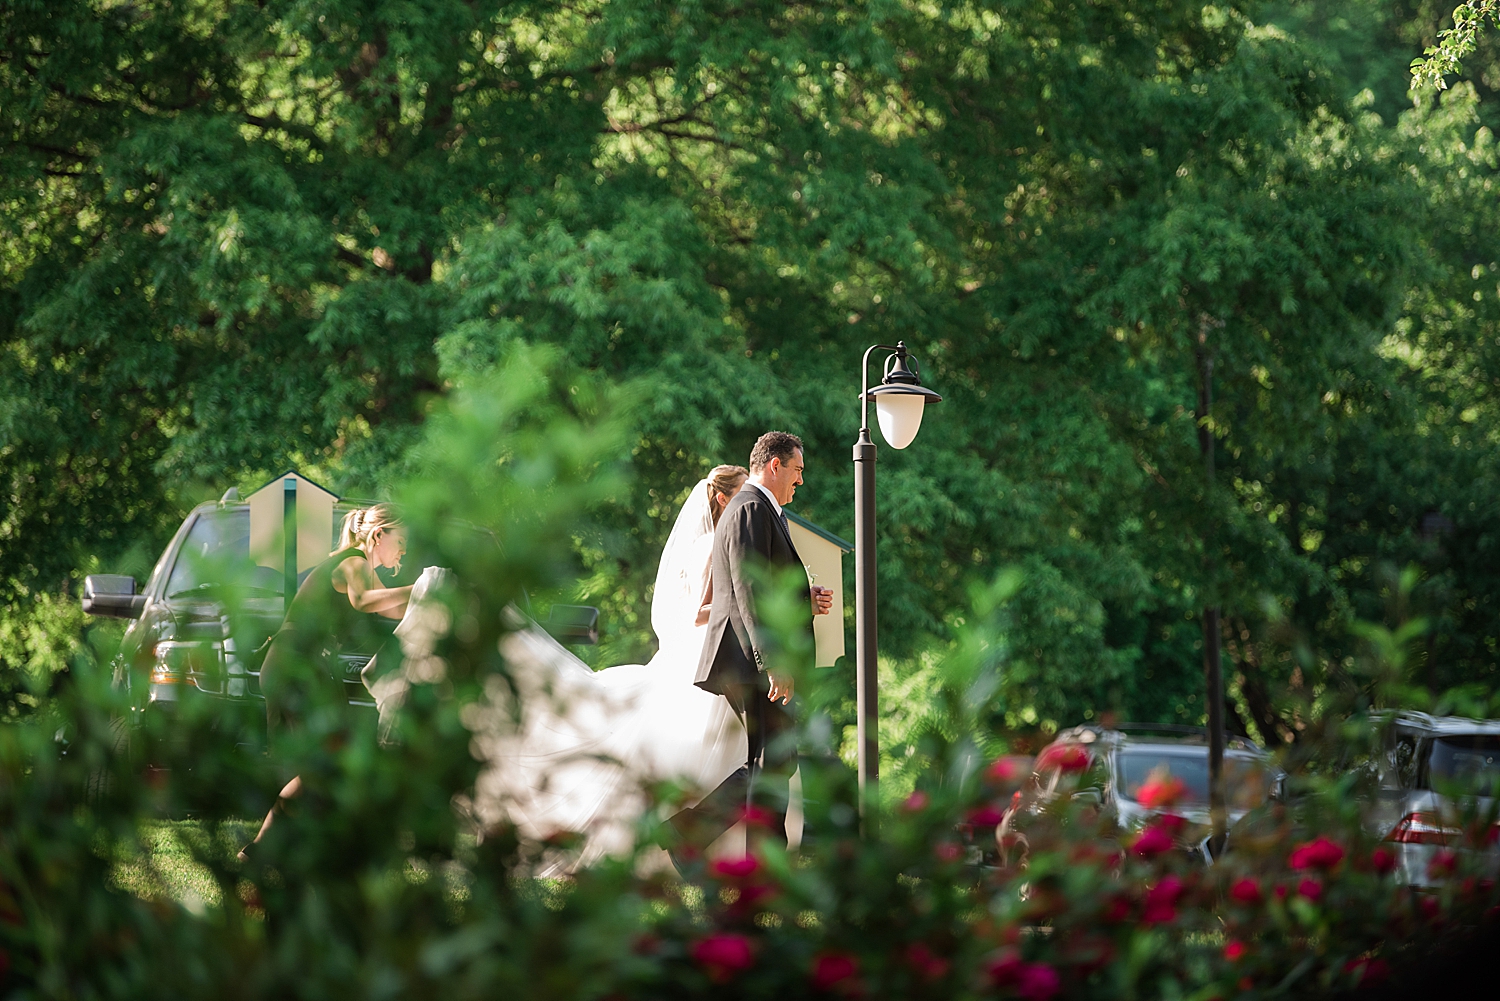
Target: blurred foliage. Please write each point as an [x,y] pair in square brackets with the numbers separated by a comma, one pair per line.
[118,877]
[238,237]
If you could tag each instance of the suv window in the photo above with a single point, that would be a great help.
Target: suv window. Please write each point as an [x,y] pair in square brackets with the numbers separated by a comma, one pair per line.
[1469,761]
[1404,759]
[1246,782]
[217,551]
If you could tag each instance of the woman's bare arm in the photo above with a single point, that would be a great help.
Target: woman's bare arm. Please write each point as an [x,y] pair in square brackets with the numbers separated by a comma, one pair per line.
[706,605]
[365,591]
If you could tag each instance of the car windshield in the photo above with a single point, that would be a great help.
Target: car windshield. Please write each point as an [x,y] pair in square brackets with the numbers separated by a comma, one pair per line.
[1470,762]
[1246,780]
[217,552]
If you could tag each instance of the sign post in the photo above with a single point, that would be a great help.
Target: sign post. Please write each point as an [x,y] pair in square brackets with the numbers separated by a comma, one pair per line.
[291,527]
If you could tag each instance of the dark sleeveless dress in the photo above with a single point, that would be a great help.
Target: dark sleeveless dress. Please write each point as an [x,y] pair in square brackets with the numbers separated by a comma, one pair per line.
[301,673]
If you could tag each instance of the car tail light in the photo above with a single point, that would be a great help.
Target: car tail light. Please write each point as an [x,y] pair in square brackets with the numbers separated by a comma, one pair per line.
[1423,829]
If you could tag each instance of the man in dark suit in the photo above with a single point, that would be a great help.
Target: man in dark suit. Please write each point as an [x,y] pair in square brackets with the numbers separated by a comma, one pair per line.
[752,530]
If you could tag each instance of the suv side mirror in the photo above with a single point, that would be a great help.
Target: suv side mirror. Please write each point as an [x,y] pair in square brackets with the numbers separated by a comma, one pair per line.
[113,595]
[573,624]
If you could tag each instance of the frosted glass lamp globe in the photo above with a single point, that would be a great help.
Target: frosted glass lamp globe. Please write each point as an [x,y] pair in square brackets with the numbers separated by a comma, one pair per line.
[900,417]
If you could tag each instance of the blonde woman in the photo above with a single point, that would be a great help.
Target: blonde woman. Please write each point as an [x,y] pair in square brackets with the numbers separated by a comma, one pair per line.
[334,605]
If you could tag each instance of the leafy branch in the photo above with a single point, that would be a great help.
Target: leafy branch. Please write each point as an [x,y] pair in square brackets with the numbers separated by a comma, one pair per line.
[1453,44]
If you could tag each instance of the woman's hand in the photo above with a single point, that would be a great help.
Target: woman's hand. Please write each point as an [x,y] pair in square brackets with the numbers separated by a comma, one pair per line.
[702,617]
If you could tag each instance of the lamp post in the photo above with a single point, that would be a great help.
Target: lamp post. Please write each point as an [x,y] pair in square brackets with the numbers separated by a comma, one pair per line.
[900,400]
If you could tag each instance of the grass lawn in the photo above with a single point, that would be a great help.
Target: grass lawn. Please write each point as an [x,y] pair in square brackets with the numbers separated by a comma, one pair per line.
[167,868]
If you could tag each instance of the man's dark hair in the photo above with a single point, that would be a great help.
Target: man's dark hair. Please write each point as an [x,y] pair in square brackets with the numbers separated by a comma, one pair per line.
[773,445]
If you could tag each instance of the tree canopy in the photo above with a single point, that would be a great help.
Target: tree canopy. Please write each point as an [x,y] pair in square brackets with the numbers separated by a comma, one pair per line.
[240,236]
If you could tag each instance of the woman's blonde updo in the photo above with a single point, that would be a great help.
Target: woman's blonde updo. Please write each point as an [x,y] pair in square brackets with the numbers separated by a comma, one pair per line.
[724,480]
[361,523]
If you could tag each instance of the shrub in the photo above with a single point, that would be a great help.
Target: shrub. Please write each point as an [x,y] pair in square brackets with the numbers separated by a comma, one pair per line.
[378,886]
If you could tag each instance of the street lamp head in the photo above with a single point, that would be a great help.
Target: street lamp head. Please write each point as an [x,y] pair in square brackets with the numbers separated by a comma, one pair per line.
[900,400]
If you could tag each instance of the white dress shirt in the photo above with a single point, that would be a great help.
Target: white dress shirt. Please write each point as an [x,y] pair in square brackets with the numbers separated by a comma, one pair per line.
[774,502]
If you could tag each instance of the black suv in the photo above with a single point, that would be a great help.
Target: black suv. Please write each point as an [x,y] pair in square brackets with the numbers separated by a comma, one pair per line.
[202,621]
[1114,762]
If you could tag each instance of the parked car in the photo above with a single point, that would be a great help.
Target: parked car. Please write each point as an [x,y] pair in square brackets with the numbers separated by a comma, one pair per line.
[1438,780]
[1111,764]
[202,620]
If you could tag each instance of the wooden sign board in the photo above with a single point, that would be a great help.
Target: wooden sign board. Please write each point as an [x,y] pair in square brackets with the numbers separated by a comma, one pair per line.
[291,501]
[822,553]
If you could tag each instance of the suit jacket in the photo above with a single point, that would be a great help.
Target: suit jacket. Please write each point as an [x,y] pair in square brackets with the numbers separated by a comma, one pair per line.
[749,531]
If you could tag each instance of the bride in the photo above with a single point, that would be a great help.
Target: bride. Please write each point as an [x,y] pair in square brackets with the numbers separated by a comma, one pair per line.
[568,749]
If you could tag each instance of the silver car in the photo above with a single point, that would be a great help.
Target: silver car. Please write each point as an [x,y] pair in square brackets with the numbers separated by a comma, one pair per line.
[1438,776]
[1125,757]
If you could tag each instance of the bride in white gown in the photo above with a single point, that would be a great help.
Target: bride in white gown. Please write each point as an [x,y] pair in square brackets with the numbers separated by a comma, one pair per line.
[572,750]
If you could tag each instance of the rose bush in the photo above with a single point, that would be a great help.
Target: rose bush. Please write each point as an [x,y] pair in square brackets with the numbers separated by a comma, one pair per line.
[379,885]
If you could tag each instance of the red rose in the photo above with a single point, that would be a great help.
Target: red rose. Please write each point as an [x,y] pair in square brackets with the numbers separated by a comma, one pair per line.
[1064,757]
[916,802]
[1234,951]
[751,895]
[1320,853]
[723,955]
[1116,910]
[928,964]
[1383,861]
[1157,794]
[755,816]
[833,968]
[1161,901]
[986,816]
[1005,969]
[1170,822]
[1037,982]
[1004,771]
[1245,891]
[1311,889]
[735,868]
[1369,970]
[1444,862]
[947,851]
[1153,841]
[1280,892]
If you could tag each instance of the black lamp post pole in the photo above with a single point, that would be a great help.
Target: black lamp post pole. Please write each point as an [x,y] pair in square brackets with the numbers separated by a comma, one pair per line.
[866,654]
[902,381]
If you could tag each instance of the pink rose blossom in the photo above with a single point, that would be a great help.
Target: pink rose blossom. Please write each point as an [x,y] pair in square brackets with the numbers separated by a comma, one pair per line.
[1161,901]
[833,968]
[1157,794]
[986,816]
[947,851]
[756,816]
[1443,863]
[1064,757]
[1038,982]
[1153,841]
[1031,981]
[1320,853]
[1004,771]
[724,955]
[916,802]
[735,868]
[1383,861]
[1245,891]
[929,964]
[1235,951]
[1311,889]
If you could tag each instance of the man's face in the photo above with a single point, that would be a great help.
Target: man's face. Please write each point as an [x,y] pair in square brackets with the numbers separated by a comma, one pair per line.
[783,479]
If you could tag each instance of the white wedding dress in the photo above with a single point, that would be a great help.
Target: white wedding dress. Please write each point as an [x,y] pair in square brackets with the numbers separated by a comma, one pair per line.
[568,749]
